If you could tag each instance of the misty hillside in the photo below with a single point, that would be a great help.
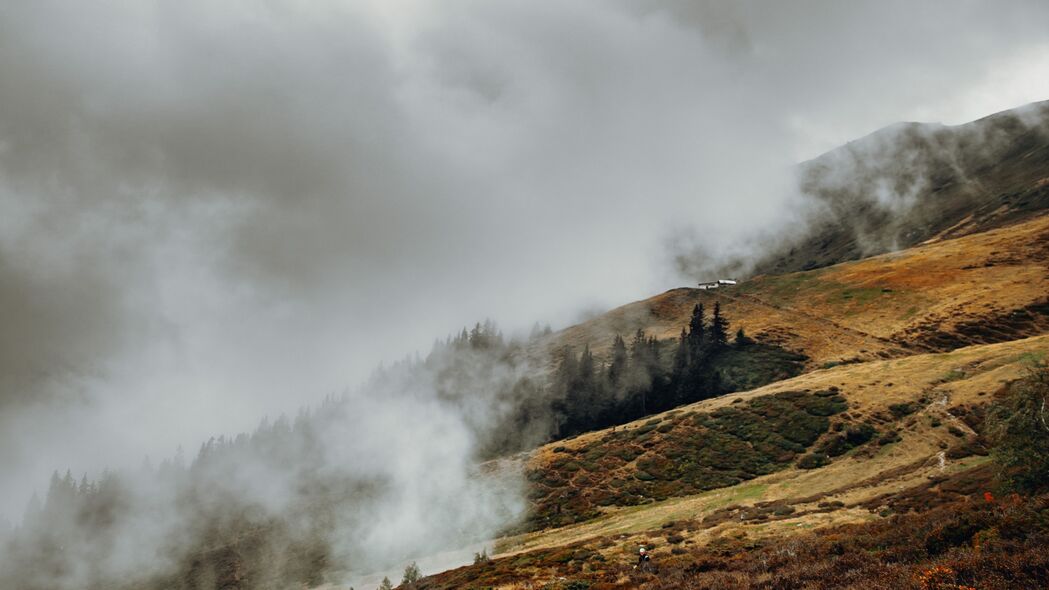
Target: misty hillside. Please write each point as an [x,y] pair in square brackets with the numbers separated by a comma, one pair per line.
[981,288]
[695,422]
[912,182]
[913,358]
[524,295]
[879,462]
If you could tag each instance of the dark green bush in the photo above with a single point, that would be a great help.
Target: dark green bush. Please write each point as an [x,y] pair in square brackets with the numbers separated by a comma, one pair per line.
[901,410]
[835,446]
[859,434]
[1019,427]
[813,461]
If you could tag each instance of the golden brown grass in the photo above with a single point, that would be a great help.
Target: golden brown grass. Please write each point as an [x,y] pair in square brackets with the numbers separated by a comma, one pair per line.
[940,386]
[864,310]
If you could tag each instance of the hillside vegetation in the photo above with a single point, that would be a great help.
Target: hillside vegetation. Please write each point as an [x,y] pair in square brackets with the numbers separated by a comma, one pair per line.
[982,288]
[835,422]
[911,439]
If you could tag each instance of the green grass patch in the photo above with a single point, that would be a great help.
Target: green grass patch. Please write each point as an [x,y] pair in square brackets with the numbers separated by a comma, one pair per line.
[910,313]
[861,295]
[1035,357]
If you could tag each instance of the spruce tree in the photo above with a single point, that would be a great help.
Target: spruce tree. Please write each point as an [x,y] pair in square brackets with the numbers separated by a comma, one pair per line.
[638,361]
[386,584]
[587,400]
[655,367]
[696,335]
[637,383]
[562,390]
[680,373]
[692,384]
[565,376]
[718,329]
[618,367]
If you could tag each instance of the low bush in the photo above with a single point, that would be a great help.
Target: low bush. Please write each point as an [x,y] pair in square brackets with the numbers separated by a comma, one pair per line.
[889,437]
[901,410]
[813,461]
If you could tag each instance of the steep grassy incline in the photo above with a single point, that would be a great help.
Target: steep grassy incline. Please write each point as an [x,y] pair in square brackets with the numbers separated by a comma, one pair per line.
[901,415]
[983,288]
[909,439]
[677,454]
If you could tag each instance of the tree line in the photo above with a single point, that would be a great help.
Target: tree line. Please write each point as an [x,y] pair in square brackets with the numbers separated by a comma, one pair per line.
[636,380]
[508,403]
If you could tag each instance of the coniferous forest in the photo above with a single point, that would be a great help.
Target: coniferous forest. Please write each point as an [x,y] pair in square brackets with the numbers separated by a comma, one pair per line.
[504,400]
[647,376]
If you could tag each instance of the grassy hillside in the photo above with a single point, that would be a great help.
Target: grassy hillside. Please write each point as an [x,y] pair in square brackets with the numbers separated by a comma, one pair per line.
[982,288]
[677,454]
[922,448]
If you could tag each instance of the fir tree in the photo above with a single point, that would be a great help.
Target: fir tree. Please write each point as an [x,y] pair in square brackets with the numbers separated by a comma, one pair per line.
[691,386]
[386,584]
[617,369]
[589,406]
[696,335]
[718,329]
[680,373]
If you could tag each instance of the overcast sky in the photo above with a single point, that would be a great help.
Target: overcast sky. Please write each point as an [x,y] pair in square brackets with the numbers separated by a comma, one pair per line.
[214,211]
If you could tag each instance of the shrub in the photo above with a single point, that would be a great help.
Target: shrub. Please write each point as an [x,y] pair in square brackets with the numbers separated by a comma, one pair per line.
[835,446]
[889,437]
[901,410]
[860,434]
[1019,427]
[643,430]
[813,461]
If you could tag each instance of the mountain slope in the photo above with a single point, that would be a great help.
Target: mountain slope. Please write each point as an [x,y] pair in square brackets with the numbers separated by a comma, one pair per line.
[927,404]
[913,182]
[906,353]
[981,288]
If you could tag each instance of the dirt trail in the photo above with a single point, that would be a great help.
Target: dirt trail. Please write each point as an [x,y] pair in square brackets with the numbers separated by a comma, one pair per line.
[893,347]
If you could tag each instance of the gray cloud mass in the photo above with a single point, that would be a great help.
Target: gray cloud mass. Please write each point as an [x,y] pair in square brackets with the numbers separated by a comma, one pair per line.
[210,212]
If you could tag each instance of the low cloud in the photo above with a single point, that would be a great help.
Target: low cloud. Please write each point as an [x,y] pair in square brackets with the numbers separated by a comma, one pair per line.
[213,213]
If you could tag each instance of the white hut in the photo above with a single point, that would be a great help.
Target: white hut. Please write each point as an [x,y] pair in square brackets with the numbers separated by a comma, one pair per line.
[717,284]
